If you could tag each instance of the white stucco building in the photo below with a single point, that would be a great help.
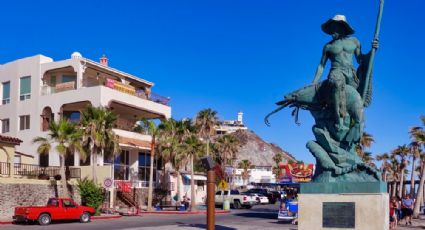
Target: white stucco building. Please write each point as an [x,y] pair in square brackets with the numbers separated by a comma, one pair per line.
[257,174]
[37,90]
[231,126]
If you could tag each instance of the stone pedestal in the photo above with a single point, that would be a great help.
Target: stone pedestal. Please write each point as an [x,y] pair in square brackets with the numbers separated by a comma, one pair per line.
[319,209]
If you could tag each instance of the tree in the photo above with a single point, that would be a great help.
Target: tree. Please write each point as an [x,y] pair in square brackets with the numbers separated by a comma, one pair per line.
[149,127]
[402,151]
[170,136]
[66,137]
[192,149]
[365,142]
[98,138]
[417,134]
[90,192]
[414,154]
[227,146]
[277,158]
[385,166]
[205,122]
[245,165]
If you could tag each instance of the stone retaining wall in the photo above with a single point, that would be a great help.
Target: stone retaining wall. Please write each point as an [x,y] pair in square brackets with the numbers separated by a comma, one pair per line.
[32,193]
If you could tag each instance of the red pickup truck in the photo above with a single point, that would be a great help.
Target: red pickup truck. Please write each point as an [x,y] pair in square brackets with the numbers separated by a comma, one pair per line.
[56,209]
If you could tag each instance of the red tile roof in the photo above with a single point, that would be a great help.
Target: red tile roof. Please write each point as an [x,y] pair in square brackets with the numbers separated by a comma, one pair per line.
[10,140]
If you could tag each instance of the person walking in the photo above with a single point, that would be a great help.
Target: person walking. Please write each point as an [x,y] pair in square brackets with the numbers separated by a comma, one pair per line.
[407,209]
[393,215]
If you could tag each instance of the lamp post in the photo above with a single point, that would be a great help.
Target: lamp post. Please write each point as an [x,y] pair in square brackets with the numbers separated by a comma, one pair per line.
[208,164]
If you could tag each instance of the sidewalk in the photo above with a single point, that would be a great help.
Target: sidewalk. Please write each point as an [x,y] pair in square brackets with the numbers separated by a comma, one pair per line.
[416,224]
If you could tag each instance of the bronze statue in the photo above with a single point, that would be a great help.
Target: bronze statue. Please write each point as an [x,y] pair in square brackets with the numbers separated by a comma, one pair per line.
[337,105]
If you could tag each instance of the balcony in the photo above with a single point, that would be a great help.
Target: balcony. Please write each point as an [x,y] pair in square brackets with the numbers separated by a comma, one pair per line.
[35,171]
[110,83]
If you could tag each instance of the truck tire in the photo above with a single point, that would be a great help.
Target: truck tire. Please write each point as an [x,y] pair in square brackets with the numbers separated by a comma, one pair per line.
[237,204]
[85,217]
[44,219]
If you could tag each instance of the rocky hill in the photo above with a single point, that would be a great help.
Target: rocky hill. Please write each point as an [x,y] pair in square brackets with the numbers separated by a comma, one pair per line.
[256,150]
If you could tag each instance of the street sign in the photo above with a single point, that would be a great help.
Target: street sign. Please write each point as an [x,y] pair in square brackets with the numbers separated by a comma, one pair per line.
[107,182]
[222,185]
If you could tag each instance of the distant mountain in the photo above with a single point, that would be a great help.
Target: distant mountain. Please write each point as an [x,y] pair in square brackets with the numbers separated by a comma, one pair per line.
[256,150]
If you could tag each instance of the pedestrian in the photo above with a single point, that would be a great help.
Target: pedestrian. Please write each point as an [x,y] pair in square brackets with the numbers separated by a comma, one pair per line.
[398,209]
[407,209]
[393,215]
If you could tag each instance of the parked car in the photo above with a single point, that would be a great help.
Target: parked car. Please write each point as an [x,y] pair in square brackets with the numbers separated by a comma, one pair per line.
[261,199]
[56,209]
[236,199]
[271,196]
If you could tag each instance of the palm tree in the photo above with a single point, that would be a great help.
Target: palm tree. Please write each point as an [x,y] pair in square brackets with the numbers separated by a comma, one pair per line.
[97,123]
[418,135]
[414,153]
[419,199]
[245,165]
[402,152]
[385,167]
[394,174]
[227,146]
[192,149]
[149,127]
[66,137]
[277,158]
[167,144]
[365,142]
[205,122]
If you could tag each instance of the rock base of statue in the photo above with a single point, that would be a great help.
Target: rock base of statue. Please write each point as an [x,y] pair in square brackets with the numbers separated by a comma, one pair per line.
[339,206]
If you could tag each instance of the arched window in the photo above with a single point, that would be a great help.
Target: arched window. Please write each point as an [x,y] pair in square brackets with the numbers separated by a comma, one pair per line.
[47,117]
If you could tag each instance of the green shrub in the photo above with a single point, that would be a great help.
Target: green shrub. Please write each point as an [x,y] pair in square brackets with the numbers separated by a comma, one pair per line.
[91,194]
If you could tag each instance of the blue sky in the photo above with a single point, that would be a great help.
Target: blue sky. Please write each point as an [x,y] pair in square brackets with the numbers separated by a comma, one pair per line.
[233,55]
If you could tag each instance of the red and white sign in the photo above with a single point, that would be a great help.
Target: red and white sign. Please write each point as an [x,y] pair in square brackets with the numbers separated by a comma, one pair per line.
[296,172]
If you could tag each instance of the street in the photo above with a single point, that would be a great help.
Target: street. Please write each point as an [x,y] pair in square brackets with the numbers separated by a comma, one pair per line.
[264,216]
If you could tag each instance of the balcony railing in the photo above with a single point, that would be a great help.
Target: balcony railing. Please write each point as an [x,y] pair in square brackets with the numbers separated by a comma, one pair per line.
[36,170]
[4,168]
[115,85]
[134,183]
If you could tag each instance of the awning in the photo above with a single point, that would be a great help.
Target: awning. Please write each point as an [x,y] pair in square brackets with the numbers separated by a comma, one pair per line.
[195,177]
[131,142]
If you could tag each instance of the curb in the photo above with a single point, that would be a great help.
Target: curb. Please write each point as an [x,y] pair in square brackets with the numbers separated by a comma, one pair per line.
[6,222]
[105,217]
[92,218]
[182,212]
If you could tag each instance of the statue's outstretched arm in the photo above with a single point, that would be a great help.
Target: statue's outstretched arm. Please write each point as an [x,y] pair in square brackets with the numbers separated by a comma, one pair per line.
[321,66]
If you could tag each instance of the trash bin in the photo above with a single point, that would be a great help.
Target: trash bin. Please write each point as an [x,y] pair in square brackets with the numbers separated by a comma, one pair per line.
[226,205]
[182,208]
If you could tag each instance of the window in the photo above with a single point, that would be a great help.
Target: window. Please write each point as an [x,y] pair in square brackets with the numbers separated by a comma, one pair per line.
[44,160]
[24,122]
[6,93]
[234,192]
[17,159]
[25,88]
[68,204]
[218,193]
[5,126]
[144,166]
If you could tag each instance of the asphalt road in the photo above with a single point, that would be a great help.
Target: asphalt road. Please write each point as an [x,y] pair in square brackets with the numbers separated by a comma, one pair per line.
[264,216]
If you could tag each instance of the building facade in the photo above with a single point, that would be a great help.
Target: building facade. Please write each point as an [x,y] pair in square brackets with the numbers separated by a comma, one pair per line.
[38,90]
[257,174]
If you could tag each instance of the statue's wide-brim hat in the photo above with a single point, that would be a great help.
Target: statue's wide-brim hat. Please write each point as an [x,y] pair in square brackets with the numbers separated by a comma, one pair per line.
[339,20]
